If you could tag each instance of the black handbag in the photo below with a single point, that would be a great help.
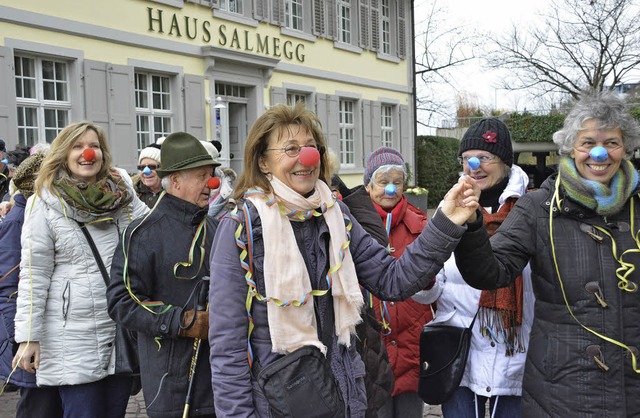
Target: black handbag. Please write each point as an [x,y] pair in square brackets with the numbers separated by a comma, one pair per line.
[443,356]
[301,384]
[126,341]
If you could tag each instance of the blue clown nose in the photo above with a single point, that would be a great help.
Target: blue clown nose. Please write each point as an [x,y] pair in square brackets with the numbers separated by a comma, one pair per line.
[390,189]
[5,161]
[473,163]
[146,171]
[599,154]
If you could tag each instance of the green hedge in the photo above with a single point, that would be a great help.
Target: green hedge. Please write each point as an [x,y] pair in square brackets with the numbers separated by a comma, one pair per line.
[525,127]
[436,165]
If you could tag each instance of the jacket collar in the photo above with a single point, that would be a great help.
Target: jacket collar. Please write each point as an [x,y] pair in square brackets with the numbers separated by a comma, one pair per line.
[182,211]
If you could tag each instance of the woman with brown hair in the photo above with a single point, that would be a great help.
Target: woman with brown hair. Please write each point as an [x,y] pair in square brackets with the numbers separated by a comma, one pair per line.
[287,265]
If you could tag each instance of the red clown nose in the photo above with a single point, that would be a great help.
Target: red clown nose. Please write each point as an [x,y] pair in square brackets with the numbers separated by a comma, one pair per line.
[309,156]
[89,154]
[213,183]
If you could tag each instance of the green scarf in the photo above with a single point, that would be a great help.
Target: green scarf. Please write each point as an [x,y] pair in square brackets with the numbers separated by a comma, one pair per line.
[604,199]
[103,196]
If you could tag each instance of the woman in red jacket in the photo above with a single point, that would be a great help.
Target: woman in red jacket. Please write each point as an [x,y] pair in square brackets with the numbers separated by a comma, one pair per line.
[384,180]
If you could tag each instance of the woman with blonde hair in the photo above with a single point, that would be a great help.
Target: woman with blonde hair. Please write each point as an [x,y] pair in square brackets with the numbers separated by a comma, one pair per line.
[65,334]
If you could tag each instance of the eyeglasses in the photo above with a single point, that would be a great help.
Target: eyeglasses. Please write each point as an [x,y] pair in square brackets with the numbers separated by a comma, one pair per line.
[293,150]
[151,167]
[484,159]
[588,145]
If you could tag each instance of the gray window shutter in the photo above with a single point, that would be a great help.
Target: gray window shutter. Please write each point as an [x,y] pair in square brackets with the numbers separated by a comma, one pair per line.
[260,10]
[278,96]
[277,9]
[333,123]
[368,127]
[332,20]
[318,17]
[375,25]
[376,125]
[402,34]
[8,116]
[322,112]
[194,108]
[110,103]
[122,108]
[95,92]
[364,23]
[405,130]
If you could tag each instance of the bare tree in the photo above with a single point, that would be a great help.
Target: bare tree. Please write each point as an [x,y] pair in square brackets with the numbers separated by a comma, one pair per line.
[439,47]
[578,45]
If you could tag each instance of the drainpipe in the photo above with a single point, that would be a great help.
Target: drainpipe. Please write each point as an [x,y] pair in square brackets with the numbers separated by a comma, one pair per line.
[413,92]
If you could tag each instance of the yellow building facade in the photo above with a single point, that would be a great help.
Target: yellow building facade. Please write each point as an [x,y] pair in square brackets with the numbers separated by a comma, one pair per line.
[142,69]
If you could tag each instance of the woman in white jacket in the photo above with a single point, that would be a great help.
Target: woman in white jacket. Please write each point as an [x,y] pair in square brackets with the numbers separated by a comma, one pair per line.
[495,365]
[65,334]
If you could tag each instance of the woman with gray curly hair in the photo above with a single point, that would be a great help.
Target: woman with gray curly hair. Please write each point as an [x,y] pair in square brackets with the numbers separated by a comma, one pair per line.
[579,232]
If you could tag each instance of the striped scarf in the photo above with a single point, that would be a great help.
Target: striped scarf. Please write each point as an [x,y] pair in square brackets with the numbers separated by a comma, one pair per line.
[500,310]
[604,199]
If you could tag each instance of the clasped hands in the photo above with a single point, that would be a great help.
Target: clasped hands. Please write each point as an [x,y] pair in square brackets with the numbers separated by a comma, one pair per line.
[461,201]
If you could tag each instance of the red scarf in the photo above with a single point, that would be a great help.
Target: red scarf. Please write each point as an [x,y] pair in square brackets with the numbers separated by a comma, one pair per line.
[501,310]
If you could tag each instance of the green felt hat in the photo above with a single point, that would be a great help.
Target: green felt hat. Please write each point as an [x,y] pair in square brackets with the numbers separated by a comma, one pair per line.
[182,151]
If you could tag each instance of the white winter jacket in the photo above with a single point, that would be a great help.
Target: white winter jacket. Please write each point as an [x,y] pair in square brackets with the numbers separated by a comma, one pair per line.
[488,371]
[62,295]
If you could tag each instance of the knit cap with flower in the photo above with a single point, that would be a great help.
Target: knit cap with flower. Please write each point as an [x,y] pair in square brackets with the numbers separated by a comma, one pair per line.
[489,134]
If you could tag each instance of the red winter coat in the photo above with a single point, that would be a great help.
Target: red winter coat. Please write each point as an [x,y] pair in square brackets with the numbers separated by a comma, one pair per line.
[408,317]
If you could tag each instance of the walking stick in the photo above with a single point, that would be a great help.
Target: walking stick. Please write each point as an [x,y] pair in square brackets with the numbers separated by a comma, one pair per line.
[192,371]
[197,342]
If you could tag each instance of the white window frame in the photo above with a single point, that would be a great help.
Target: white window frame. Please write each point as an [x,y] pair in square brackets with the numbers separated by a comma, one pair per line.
[385,26]
[232,6]
[294,96]
[294,15]
[345,21]
[386,122]
[40,128]
[347,128]
[160,119]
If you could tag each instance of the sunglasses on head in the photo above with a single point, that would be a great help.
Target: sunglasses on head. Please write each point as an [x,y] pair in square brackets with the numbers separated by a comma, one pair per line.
[151,167]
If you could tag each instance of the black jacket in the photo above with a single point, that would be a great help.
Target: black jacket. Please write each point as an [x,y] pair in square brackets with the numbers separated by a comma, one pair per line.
[153,247]
[562,377]
[379,378]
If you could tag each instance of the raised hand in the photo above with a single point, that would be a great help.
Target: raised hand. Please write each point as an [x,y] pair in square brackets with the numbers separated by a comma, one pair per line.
[461,201]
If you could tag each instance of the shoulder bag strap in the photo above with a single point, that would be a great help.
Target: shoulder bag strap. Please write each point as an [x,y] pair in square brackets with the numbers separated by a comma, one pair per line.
[474,319]
[94,250]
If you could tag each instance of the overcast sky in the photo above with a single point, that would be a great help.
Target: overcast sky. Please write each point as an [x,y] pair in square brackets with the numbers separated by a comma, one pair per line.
[487,15]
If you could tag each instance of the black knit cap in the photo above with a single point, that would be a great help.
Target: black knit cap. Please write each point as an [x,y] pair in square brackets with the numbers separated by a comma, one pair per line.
[489,134]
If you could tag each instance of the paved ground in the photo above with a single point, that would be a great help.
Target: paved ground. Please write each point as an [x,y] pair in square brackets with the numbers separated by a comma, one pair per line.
[136,407]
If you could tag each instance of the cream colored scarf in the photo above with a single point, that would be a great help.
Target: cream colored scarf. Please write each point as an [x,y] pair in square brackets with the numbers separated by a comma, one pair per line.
[285,273]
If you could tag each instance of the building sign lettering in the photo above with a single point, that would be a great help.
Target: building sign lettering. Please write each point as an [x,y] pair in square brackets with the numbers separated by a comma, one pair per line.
[204,30]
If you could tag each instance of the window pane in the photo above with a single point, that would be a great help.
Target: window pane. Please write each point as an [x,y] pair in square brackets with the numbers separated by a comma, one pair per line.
[47,70]
[142,123]
[48,89]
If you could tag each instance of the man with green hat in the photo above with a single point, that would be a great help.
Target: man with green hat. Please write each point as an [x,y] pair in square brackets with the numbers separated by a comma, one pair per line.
[159,284]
